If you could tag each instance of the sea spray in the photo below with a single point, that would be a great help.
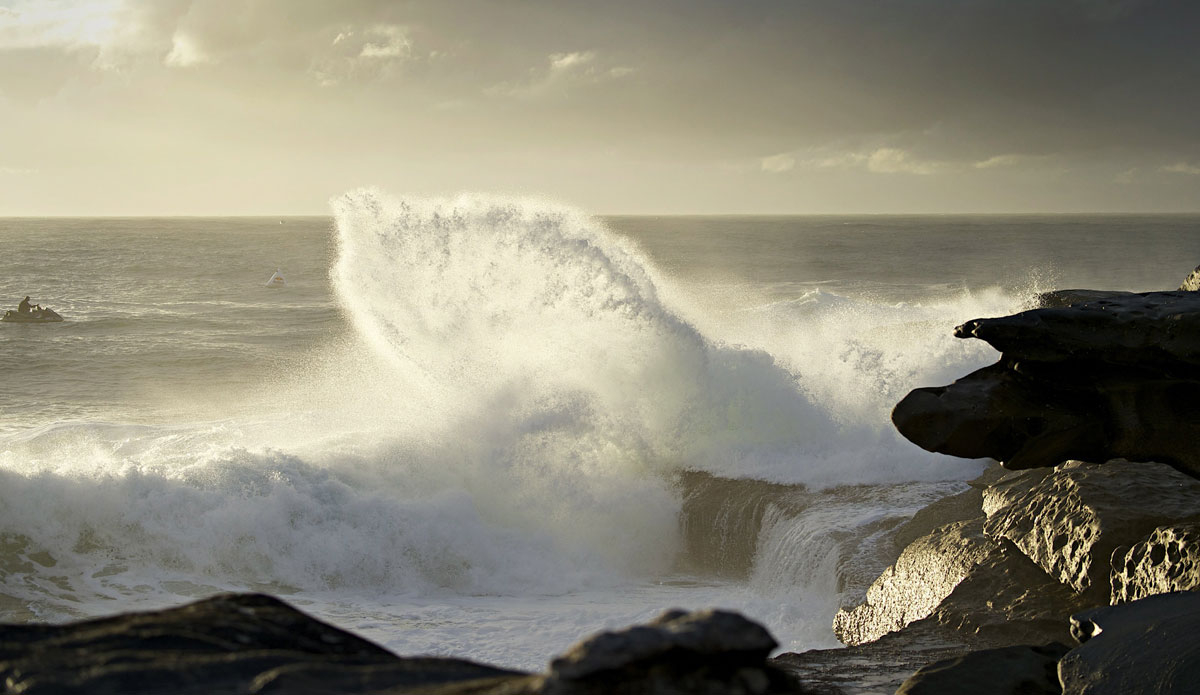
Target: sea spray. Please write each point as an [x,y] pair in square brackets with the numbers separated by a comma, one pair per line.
[514,409]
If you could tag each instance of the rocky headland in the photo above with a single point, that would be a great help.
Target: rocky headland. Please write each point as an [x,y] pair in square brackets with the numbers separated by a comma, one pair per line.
[1069,566]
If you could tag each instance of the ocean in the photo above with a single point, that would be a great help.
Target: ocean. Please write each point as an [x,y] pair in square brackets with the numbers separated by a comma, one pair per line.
[485,426]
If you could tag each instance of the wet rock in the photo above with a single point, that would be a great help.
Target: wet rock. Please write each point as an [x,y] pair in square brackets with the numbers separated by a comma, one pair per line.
[1008,600]
[1147,646]
[912,588]
[1016,670]
[963,506]
[679,652]
[1070,520]
[963,580]
[1167,561]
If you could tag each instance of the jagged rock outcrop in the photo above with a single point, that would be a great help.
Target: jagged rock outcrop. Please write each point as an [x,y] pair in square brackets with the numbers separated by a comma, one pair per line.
[1148,329]
[1016,670]
[961,579]
[1192,282]
[915,585]
[256,644]
[1071,519]
[1110,378]
[1148,646]
[1167,561]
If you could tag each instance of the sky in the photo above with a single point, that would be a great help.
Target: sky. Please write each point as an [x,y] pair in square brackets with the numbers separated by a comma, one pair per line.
[273,107]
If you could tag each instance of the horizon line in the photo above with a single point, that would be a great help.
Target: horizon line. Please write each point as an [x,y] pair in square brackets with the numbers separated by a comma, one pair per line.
[1112,213]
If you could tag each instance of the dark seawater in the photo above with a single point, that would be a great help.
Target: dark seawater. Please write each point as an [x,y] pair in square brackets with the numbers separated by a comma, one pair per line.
[486,427]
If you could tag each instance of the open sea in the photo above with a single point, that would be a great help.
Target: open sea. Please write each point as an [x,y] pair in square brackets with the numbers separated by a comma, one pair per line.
[487,427]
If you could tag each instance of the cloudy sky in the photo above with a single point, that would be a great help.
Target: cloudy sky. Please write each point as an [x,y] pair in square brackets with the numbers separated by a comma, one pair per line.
[137,107]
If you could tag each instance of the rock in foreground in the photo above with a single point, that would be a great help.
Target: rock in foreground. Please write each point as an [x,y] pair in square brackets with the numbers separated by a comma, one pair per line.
[1147,646]
[256,644]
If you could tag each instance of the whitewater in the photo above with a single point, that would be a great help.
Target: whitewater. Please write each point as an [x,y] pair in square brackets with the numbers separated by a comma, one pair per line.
[487,426]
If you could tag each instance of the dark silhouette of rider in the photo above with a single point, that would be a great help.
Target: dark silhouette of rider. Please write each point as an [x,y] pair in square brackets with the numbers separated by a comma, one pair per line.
[23,307]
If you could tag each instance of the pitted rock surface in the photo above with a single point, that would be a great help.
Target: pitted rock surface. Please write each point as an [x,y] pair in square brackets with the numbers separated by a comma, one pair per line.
[1167,561]
[1070,520]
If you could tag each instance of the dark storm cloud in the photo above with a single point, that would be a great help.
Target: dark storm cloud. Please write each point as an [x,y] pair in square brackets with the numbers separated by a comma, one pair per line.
[962,79]
[749,104]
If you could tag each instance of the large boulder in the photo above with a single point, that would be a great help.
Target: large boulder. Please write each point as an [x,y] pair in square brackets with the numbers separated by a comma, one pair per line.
[1166,562]
[1148,646]
[1001,413]
[711,651]
[1113,377]
[1070,520]
[911,589]
[959,578]
[238,643]
[256,644]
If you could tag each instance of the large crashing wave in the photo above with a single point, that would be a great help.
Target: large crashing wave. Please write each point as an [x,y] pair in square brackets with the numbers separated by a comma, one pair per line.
[535,316]
[516,423]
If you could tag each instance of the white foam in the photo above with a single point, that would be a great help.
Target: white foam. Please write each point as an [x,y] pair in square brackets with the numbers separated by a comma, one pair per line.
[506,420]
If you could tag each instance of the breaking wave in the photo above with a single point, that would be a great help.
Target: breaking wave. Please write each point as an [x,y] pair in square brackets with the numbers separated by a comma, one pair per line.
[521,407]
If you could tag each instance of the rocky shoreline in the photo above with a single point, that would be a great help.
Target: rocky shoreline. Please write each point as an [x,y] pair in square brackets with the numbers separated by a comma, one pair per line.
[1069,566]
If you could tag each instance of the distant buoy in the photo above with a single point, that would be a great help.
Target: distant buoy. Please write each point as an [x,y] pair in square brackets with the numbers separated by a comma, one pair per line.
[276,280]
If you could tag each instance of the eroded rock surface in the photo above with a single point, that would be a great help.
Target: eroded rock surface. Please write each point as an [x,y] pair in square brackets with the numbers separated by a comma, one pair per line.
[1167,561]
[912,588]
[1148,646]
[961,579]
[1070,520]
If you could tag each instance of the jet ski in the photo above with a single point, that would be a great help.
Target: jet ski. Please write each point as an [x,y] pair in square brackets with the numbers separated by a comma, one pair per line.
[33,316]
